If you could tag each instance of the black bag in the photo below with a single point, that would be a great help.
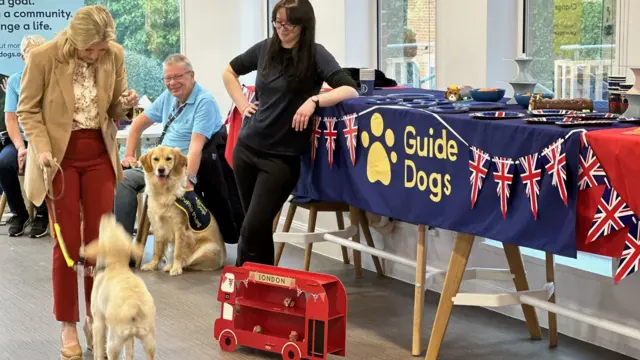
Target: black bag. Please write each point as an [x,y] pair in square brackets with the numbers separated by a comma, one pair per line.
[217,187]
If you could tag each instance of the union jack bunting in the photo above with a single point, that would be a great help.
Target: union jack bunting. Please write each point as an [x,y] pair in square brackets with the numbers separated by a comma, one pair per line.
[330,135]
[530,174]
[351,134]
[504,178]
[555,165]
[249,94]
[630,260]
[315,138]
[590,172]
[478,172]
[612,214]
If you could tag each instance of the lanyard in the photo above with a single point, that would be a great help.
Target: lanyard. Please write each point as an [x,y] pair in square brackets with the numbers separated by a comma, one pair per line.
[170,120]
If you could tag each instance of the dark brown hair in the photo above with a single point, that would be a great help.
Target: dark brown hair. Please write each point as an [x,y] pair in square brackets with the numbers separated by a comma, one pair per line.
[299,13]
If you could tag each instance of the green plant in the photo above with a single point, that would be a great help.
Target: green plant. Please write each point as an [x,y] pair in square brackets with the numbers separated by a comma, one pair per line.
[149,30]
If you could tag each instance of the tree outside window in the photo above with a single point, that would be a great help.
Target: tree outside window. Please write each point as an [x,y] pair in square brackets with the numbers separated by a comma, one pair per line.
[573,45]
[149,30]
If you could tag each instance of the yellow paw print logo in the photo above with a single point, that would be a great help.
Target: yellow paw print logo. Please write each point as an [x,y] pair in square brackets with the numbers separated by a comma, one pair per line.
[378,162]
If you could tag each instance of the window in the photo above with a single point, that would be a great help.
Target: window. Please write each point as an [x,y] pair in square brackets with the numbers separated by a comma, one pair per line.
[407,41]
[149,30]
[573,46]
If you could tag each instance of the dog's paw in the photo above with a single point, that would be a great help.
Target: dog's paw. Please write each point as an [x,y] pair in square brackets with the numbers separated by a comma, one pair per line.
[175,270]
[167,267]
[149,266]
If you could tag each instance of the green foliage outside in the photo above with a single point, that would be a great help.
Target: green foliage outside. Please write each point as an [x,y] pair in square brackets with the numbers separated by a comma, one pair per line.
[597,27]
[149,30]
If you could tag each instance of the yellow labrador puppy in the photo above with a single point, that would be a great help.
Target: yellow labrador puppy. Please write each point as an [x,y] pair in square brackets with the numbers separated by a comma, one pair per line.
[120,300]
[178,216]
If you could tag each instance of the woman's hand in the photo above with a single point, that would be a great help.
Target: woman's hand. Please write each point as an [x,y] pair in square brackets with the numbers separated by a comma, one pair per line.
[129,161]
[22,156]
[129,98]
[46,160]
[249,110]
[4,85]
[301,118]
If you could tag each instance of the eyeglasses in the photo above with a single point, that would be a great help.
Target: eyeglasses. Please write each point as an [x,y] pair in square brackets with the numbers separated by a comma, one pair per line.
[286,26]
[167,79]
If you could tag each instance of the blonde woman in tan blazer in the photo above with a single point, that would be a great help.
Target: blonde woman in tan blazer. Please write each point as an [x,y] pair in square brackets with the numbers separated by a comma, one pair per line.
[71,89]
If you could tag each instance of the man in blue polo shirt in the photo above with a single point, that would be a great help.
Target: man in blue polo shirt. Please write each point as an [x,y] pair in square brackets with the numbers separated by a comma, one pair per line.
[14,153]
[189,116]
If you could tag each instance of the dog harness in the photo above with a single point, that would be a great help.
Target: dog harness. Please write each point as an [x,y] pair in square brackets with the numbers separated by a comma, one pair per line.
[199,215]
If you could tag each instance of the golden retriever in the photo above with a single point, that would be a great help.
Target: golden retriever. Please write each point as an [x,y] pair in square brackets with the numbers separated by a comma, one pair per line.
[120,300]
[166,181]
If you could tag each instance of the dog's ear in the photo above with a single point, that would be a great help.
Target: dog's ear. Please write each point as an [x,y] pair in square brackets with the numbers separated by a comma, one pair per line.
[145,160]
[91,250]
[180,159]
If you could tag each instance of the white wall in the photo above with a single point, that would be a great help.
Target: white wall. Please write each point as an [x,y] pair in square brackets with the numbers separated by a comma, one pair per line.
[238,24]
[473,36]
[473,40]
[214,32]
[628,26]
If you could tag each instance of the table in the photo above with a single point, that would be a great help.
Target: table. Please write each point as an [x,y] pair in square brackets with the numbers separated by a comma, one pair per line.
[149,137]
[414,166]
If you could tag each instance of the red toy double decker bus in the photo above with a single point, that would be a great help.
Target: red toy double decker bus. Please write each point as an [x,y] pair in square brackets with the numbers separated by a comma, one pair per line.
[299,314]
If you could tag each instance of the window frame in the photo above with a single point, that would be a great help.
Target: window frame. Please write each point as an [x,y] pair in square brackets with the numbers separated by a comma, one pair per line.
[379,63]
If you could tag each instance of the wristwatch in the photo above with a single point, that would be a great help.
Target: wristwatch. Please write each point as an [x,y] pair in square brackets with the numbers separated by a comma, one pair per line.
[193,179]
[316,100]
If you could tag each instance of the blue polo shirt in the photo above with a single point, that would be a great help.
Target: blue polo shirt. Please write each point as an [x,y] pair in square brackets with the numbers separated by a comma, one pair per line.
[13,92]
[200,115]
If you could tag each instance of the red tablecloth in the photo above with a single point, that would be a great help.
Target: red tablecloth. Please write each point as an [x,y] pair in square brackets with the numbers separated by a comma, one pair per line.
[619,155]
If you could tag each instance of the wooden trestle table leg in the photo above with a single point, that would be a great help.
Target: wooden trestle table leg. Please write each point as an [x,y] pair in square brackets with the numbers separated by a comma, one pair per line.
[516,265]
[553,321]
[452,281]
[364,224]
[418,302]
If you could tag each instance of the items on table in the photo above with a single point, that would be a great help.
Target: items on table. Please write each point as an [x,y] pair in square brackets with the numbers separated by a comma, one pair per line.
[581,104]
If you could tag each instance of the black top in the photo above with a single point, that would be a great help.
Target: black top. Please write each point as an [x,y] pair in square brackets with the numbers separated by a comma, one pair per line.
[269,129]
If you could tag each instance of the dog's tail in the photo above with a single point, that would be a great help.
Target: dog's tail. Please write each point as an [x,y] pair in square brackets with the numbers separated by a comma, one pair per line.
[131,312]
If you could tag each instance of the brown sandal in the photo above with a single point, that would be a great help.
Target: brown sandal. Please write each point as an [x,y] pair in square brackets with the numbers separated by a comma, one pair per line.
[70,350]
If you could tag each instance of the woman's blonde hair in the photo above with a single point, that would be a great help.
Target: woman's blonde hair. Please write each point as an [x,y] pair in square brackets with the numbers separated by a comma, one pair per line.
[89,25]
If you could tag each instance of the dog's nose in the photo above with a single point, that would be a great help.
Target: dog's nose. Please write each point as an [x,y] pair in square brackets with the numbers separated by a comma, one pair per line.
[161,171]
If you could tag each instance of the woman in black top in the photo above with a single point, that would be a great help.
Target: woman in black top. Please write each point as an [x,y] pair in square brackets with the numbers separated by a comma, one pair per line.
[266,160]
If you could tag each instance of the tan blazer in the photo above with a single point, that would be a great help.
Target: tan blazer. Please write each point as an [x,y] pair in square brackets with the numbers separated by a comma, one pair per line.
[46,108]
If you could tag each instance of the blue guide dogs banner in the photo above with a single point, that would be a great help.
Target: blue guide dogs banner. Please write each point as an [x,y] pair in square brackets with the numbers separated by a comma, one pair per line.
[413,166]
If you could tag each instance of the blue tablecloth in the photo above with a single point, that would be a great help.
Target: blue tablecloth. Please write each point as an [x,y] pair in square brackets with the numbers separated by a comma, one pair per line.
[393,177]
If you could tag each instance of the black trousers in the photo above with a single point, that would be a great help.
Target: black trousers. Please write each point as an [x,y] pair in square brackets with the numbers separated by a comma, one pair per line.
[265,181]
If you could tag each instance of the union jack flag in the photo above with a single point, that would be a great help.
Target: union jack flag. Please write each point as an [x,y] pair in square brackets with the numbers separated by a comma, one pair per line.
[531,175]
[555,166]
[504,178]
[612,214]
[316,137]
[249,94]
[590,172]
[330,134]
[351,134]
[630,260]
[478,172]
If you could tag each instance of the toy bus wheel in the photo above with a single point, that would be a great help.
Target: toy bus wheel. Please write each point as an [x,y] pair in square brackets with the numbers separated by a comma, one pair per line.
[228,342]
[291,352]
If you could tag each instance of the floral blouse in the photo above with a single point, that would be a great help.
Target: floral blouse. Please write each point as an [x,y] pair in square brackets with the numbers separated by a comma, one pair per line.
[86,105]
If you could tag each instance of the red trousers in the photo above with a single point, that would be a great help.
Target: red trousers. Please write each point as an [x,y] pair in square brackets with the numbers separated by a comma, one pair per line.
[89,185]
